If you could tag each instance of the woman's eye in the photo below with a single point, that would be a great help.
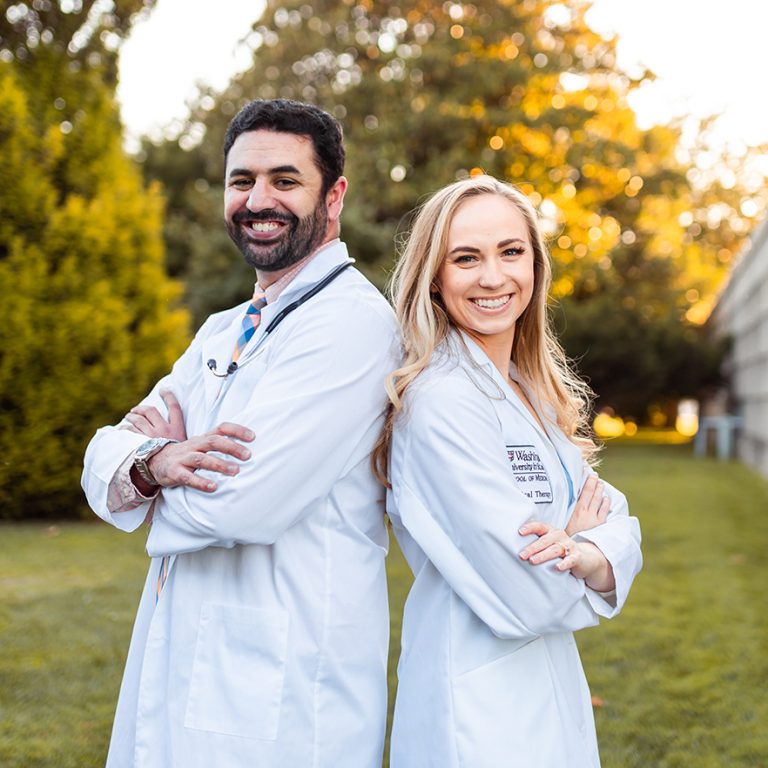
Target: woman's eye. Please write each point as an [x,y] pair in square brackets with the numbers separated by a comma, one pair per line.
[464,259]
[517,251]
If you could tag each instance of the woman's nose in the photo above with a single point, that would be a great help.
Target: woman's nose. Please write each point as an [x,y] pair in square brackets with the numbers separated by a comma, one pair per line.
[491,274]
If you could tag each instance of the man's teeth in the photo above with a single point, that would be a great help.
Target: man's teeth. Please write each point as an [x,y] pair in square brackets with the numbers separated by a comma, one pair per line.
[492,303]
[264,226]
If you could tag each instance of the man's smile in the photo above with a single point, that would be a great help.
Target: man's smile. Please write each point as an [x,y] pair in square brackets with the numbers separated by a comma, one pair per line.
[265,226]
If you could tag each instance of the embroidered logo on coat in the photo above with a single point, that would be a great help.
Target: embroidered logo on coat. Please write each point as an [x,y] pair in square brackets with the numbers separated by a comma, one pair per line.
[531,476]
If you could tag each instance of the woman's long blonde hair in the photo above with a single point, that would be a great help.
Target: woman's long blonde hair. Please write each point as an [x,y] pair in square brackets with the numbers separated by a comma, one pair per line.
[425,323]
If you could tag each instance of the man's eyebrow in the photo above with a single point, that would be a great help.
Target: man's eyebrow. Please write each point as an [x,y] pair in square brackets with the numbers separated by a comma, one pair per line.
[286,169]
[272,171]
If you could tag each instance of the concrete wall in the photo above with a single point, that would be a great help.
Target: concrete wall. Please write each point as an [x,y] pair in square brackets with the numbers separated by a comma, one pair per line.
[742,313]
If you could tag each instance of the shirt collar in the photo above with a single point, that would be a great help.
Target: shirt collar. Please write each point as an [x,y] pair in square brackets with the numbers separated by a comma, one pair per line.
[272,293]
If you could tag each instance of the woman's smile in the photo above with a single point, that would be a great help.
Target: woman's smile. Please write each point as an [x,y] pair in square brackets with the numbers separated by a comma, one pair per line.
[486,279]
[492,304]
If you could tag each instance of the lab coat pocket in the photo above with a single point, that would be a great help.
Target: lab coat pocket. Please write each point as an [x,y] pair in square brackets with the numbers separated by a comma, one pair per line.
[237,676]
[499,708]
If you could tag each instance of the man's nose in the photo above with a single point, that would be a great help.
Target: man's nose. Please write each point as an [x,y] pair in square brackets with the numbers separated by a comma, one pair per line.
[260,197]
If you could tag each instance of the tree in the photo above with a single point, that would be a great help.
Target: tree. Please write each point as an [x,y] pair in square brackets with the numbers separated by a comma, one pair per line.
[89,318]
[522,89]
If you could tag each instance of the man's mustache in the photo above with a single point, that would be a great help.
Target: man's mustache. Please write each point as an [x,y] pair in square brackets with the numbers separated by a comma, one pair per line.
[268,214]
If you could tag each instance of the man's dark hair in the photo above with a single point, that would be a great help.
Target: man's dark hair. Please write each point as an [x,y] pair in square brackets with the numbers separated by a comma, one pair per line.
[288,116]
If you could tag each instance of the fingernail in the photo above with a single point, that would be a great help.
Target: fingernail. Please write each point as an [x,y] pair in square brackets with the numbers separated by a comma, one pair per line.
[524,554]
[233,470]
[249,435]
[522,531]
[211,486]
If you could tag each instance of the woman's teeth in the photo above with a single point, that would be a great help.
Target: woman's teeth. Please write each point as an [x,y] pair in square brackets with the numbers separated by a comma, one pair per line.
[492,303]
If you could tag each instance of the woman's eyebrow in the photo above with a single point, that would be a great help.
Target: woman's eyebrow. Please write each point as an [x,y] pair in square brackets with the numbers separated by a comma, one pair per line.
[510,241]
[464,248]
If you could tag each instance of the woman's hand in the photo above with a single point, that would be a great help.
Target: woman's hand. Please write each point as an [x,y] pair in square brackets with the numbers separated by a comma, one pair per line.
[551,544]
[592,507]
[582,558]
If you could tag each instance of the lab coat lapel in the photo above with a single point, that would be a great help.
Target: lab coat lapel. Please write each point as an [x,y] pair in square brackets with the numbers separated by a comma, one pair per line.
[219,348]
[571,458]
[568,453]
[484,362]
[326,259]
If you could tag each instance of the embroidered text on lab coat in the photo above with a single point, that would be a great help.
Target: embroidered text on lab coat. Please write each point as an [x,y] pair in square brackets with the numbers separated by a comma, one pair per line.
[530,473]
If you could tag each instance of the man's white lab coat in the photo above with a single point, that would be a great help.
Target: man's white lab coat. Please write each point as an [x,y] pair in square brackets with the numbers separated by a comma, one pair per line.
[489,675]
[268,644]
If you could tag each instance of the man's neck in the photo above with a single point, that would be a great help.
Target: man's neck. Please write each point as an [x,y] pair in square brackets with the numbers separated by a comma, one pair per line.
[273,283]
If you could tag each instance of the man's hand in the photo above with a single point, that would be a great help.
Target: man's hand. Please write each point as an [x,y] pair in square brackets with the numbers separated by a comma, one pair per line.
[146,419]
[175,464]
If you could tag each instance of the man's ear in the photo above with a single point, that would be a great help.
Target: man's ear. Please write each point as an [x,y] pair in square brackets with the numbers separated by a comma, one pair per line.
[334,198]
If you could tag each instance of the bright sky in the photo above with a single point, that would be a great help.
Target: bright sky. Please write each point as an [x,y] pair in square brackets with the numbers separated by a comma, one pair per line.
[709,57]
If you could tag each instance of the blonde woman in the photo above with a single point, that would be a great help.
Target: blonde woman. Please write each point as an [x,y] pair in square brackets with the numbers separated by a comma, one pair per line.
[513,541]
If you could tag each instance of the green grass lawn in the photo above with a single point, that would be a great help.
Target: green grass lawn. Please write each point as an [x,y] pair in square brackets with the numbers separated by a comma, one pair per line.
[681,674]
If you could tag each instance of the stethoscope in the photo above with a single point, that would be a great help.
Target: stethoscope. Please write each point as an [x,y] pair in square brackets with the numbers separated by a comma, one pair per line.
[166,563]
[281,315]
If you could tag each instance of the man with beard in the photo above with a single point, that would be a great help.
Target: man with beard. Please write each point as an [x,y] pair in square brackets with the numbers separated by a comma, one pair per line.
[261,636]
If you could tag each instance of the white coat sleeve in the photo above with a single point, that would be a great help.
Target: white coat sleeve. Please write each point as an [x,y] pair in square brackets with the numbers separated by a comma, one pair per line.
[112,445]
[618,538]
[457,497]
[320,400]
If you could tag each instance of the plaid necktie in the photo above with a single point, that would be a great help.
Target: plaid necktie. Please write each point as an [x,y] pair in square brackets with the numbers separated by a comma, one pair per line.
[251,320]
[162,576]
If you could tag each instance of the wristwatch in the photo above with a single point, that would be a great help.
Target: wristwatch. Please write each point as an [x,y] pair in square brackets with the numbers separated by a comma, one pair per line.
[145,452]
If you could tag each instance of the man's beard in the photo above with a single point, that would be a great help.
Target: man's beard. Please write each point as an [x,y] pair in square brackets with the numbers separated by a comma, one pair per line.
[303,236]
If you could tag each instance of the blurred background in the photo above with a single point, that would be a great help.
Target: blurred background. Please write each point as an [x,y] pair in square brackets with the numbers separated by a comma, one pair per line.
[112,249]
[651,185]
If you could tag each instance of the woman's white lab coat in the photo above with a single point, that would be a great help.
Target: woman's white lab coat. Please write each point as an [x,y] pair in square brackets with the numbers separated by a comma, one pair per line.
[268,644]
[489,674]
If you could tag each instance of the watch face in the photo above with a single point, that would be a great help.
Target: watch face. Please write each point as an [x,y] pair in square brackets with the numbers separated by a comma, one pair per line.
[149,446]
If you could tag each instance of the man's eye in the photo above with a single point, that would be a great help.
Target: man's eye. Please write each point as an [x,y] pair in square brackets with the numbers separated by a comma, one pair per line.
[285,183]
[241,183]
